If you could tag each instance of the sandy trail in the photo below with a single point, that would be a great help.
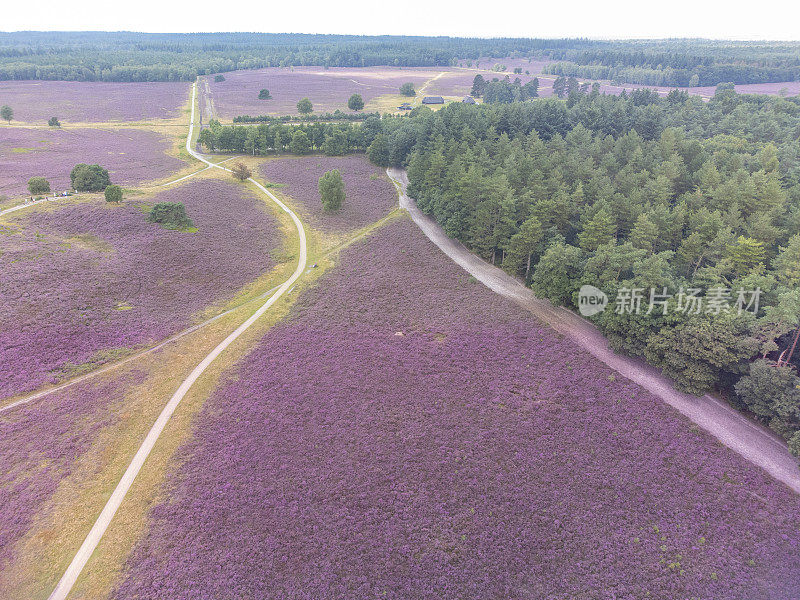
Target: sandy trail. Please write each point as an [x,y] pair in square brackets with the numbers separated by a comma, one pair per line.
[754,442]
[89,545]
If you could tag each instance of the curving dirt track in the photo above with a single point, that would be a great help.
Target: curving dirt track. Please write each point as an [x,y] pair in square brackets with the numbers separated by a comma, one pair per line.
[755,443]
[89,545]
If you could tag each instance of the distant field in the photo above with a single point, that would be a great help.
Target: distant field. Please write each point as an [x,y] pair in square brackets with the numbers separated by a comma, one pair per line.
[130,155]
[370,195]
[791,88]
[82,281]
[406,434]
[486,63]
[486,66]
[328,89]
[458,83]
[93,102]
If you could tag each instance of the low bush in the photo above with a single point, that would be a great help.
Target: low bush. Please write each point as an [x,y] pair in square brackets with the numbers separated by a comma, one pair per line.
[38,186]
[113,193]
[171,215]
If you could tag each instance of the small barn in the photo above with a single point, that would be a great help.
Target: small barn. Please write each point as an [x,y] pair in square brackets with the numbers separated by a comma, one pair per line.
[404,106]
[433,100]
[468,100]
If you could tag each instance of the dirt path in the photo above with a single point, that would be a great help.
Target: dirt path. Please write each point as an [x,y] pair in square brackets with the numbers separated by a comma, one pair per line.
[755,443]
[421,90]
[120,491]
[27,205]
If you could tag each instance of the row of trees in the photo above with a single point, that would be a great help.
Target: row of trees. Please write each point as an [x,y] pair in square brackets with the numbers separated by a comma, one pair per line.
[126,56]
[700,76]
[680,62]
[504,91]
[333,139]
[336,115]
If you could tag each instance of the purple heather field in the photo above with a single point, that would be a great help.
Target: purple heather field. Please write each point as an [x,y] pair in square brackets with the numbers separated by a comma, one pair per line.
[91,278]
[487,63]
[455,84]
[409,434]
[369,193]
[328,89]
[131,156]
[39,445]
[92,102]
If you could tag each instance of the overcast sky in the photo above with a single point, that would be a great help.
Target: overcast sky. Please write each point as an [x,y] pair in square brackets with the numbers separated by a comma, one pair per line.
[768,19]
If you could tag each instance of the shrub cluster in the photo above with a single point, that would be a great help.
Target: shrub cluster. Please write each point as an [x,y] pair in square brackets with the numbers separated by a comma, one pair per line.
[171,215]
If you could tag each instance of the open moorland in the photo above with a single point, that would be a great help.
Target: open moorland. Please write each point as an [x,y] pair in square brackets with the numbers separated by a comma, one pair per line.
[375,455]
[39,446]
[248,373]
[85,283]
[370,194]
[92,102]
[132,156]
[328,89]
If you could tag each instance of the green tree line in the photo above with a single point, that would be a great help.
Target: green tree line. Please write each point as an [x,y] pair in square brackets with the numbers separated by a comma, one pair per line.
[634,192]
[128,56]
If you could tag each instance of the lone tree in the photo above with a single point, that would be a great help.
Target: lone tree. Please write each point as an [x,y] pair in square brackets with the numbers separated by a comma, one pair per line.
[478,86]
[171,215]
[407,89]
[38,186]
[331,190]
[54,122]
[304,106]
[356,102]
[113,193]
[89,178]
[219,78]
[264,95]
[241,171]
[6,113]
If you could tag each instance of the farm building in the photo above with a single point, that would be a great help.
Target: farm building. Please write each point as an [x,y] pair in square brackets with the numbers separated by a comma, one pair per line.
[404,106]
[433,100]
[468,100]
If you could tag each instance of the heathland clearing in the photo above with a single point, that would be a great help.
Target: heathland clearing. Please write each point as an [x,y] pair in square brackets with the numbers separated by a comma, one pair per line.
[132,156]
[377,454]
[88,282]
[370,195]
[93,102]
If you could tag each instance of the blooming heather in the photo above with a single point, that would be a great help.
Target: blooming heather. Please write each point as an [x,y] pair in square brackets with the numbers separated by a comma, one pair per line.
[131,156]
[91,278]
[369,193]
[39,445]
[409,434]
[328,89]
[92,102]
